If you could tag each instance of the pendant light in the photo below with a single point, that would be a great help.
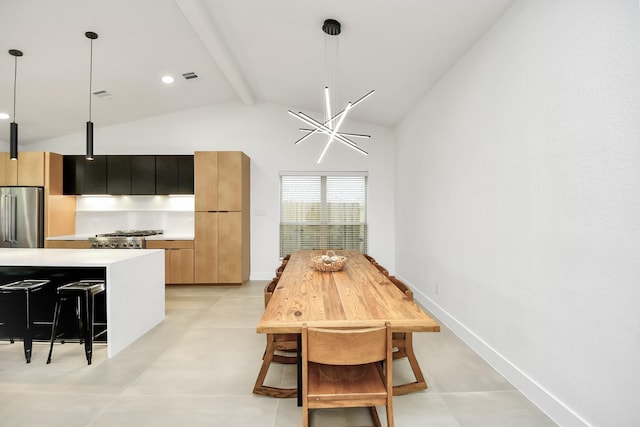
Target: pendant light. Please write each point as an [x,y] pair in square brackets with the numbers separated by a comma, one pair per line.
[91,36]
[332,123]
[13,141]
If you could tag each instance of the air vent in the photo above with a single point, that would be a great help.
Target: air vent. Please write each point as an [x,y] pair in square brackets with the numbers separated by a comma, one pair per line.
[102,94]
[190,76]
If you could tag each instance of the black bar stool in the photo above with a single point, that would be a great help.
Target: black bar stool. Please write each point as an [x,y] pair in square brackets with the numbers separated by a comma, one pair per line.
[84,292]
[26,287]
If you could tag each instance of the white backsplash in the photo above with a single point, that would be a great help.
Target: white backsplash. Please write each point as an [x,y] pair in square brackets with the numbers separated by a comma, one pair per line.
[103,214]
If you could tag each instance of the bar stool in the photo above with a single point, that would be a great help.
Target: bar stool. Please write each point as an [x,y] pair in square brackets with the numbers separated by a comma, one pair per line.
[84,292]
[26,287]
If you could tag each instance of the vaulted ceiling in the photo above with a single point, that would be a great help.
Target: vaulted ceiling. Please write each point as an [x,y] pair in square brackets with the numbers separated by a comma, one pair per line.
[248,51]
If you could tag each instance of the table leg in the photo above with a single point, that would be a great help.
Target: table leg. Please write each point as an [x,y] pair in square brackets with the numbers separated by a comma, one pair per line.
[299,366]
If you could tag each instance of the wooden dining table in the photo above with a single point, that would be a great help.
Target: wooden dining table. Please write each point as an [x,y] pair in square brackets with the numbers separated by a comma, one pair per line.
[357,296]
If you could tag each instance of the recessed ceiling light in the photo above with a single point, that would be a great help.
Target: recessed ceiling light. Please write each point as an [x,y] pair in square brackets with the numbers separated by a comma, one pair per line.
[4,116]
[167,80]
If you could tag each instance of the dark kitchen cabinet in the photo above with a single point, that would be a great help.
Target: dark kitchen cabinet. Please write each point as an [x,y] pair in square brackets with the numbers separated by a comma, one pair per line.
[82,176]
[119,175]
[143,175]
[124,175]
[174,174]
[131,175]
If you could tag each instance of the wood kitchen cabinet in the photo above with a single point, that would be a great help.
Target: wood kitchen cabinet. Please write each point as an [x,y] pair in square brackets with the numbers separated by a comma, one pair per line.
[28,170]
[222,229]
[219,245]
[206,247]
[178,260]
[67,244]
[8,170]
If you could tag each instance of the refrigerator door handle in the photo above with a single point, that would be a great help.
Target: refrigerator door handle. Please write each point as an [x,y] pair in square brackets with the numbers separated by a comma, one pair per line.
[14,214]
[5,218]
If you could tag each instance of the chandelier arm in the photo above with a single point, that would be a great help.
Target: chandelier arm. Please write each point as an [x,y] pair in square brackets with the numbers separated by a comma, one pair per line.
[337,116]
[326,130]
[327,102]
[363,98]
[353,104]
[311,132]
[335,131]
[319,127]
[347,134]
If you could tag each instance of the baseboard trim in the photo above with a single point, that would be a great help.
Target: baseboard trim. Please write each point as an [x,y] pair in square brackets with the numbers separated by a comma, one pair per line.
[262,275]
[542,398]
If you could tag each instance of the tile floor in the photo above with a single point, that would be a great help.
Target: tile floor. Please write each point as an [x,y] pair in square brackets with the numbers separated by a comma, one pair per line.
[198,367]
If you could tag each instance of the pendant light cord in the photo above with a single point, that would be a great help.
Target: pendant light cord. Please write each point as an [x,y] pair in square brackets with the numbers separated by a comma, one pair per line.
[15,78]
[90,76]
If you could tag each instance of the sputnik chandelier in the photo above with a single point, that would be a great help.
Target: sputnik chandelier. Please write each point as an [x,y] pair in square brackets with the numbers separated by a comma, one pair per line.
[332,123]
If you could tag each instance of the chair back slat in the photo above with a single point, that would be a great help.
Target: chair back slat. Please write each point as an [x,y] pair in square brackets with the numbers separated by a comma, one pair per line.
[346,346]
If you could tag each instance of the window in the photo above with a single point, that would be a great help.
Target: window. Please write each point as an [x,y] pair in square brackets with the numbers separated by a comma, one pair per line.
[323,212]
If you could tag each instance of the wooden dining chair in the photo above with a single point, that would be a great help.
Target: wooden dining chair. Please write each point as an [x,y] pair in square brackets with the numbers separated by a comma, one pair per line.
[282,265]
[369,258]
[341,369]
[381,269]
[281,343]
[403,347]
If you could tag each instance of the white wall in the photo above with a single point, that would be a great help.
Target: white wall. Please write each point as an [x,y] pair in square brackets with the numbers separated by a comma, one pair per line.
[518,204]
[266,133]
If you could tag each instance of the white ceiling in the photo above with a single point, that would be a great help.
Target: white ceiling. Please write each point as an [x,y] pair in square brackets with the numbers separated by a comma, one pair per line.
[248,51]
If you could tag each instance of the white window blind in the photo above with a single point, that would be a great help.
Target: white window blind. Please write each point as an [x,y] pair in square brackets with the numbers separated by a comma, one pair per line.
[323,212]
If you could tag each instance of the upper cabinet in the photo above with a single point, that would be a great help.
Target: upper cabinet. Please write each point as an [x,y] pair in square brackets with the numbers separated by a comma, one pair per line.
[28,170]
[82,176]
[129,175]
[221,181]
[174,174]
[8,170]
[143,175]
[119,175]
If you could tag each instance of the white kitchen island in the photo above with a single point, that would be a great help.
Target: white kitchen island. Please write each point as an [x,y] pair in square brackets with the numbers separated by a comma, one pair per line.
[134,281]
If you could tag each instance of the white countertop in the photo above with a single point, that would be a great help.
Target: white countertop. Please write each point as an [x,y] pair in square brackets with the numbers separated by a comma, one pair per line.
[68,257]
[156,237]
[72,237]
[170,237]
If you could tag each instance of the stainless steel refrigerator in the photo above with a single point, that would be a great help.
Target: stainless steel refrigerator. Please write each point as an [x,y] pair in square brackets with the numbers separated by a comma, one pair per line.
[21,217]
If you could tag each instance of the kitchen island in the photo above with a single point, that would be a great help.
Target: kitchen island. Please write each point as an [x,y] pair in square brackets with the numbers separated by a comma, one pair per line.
[134,281]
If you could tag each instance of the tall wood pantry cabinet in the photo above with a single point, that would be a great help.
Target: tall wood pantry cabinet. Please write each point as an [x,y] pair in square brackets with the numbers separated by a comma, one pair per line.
[222,222]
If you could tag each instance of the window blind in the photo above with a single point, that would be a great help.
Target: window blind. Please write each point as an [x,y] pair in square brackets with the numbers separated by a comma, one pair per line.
[323,212]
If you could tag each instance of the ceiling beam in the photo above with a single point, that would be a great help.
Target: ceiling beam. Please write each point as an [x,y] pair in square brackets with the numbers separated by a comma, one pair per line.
[199,17]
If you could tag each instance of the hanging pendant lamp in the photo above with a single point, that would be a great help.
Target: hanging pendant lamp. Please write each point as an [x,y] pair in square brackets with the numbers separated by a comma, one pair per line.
[13,141]
[332,123]
[91,36]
